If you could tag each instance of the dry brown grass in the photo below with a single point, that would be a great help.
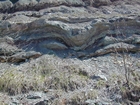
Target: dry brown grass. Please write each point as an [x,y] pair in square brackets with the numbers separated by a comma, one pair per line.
[40,77]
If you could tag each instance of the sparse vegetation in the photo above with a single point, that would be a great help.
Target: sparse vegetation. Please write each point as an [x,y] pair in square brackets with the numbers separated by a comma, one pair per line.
[16,82]
[43,75]
[70,52]
[39,77]
[128,80]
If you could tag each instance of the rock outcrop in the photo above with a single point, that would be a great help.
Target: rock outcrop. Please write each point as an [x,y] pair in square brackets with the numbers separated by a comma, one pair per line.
[69,52]
[74,27]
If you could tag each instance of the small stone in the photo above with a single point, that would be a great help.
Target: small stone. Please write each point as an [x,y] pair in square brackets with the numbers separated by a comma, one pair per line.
[33,97]
[90,102]
[36,95]
[99,77]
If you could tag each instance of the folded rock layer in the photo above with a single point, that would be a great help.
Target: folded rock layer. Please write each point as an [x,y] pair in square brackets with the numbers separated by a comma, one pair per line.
[69,28]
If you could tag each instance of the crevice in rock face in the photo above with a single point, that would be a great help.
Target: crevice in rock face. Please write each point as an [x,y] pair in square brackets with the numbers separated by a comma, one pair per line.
[35,42]
[72,20]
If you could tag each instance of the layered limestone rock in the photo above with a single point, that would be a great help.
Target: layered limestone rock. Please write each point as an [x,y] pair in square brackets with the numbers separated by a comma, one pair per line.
[71,28]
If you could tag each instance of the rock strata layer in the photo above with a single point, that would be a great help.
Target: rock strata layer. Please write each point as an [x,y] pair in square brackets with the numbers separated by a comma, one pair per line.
[69,28]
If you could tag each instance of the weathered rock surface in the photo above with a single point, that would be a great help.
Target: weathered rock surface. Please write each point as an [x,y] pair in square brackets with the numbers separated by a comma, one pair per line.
[9,52]
[91,28]
[36,34]
[5,5]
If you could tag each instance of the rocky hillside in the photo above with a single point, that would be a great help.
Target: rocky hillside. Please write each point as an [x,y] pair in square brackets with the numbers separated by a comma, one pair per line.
[71,28]
[73,45]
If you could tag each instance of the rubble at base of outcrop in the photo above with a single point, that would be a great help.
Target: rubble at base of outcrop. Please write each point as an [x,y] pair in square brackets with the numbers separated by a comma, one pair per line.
[95,82]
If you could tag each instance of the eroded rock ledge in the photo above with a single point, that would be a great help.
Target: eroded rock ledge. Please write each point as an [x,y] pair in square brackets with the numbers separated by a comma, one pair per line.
[69,28]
